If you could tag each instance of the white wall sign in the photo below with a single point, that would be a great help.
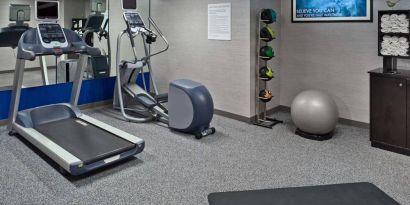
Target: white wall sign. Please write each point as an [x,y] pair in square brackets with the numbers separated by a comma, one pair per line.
[219,21]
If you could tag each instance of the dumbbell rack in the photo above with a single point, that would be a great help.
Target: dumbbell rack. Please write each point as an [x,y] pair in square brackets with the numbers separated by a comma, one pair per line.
[261,118]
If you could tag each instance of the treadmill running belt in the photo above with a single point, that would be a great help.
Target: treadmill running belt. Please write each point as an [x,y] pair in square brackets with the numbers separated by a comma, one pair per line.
[83,140]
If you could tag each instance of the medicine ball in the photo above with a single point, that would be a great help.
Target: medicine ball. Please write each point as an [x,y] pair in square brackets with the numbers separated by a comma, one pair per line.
[266,73]
[268,16]
[267,53]
[267,34]
[265,95]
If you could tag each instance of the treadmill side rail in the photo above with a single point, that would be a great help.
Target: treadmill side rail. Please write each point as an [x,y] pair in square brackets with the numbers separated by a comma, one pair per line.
[113,130]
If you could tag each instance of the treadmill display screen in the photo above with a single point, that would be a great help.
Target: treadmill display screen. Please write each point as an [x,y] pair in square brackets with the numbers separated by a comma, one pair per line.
[51,32]
[129,4]
[47,10]
[134,20]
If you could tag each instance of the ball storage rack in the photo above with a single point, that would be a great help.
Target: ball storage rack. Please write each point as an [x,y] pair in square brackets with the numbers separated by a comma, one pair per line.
[261,118]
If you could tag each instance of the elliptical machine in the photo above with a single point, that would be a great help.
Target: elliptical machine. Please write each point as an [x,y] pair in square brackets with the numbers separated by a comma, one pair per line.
[189,104]
[98,66]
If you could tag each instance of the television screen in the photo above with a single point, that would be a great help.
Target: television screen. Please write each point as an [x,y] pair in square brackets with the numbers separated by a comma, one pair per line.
[332,10]
[19,12]
[98,6]
[129,4]
[47,10]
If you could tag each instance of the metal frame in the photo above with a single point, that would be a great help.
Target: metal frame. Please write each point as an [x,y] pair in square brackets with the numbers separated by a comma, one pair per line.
[261,118]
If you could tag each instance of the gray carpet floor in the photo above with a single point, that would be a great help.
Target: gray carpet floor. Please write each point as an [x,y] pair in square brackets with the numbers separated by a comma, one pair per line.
[177,169]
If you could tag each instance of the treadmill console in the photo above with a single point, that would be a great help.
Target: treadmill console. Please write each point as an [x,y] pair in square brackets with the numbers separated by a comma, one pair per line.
[52,36]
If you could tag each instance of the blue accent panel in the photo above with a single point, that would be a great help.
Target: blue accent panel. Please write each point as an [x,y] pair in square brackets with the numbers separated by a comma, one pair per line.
[4,104]
[92,91]
[96,90]
[147,81]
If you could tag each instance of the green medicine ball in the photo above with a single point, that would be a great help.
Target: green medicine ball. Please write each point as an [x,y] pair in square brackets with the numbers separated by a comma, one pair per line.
[267,53]
[268,16]
[267,34]
[266,73]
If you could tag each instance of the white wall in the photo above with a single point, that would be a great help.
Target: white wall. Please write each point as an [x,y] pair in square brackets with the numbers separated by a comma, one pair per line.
[333,57]
[75,9]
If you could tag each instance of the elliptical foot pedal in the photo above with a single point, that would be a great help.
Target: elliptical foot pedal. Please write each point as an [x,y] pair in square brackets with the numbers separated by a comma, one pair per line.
[146,101]
[316,137]
[162,98]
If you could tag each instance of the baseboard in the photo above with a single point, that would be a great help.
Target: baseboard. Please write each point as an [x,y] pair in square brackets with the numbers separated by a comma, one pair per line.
[241,118]
[26,69]
[232,116]
[95,105]
[282,108]
[343,121]
[354,123]
[90,106]
[246,119]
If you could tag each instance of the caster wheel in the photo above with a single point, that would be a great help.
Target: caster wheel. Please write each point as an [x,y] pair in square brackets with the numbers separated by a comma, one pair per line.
[198,136]
[12,133]
[213,130]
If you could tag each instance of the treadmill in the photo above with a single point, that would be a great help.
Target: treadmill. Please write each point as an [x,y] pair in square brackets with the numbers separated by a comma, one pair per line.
[76,142]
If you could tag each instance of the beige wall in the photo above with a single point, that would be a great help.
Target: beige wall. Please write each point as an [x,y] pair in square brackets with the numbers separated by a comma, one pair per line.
[223,66]
[333,57]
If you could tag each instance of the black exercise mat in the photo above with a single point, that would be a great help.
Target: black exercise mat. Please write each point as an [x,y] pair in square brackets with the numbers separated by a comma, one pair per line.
[338,194]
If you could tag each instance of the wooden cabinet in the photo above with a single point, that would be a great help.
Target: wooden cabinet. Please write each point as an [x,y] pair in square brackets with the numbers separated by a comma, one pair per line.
[390,110]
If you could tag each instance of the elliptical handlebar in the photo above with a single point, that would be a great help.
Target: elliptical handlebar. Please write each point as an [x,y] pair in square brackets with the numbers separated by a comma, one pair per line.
[159,32]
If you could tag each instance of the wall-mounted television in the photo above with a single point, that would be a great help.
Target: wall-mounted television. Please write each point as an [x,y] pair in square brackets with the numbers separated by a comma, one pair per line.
[19,12]
[47,10]
[98,6]
[332,11]
[129,4]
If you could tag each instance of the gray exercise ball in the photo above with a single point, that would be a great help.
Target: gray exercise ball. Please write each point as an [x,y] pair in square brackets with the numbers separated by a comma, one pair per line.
[314,112]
